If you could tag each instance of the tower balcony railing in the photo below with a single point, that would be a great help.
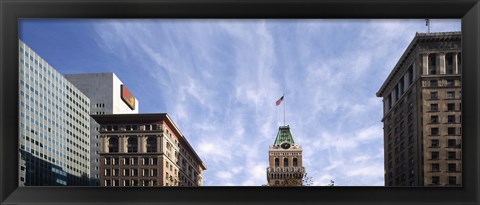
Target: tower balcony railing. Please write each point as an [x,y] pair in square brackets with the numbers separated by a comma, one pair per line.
[278,147]
[285,169]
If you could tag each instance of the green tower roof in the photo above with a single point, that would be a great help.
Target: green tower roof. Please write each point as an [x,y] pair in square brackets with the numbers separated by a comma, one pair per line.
[283,135]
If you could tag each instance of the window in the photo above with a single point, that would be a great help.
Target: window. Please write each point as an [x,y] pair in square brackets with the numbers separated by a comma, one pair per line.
[295,163]
[450,83]
[152,144]
[452,167]
[451,131]
[434,95]
[107,172]
[277,162]
[435,167]
[451,106]
[132,145]
[113,144]
[450,95]
[432,62]
[434,131]
[107,161]
[434,119]
[435,155]
[435,180]
[452,155]
[433,107]
[452,180]
[433,83]
[449,63]
[452,143]
[451,118]
[285,162]
[434,143]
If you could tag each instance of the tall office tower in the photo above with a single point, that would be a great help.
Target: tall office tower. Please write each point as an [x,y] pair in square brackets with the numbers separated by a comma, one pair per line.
[107,95]
[422,113]
[146,150]
[285,160]
[54,126]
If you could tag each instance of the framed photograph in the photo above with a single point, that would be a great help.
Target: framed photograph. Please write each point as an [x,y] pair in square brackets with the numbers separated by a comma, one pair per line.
[283,171]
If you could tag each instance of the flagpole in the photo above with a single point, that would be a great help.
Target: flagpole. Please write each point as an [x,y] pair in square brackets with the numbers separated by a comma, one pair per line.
[284,110]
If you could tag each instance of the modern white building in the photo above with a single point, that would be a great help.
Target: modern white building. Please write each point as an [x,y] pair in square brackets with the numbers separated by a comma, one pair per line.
[108,95]
[54,127]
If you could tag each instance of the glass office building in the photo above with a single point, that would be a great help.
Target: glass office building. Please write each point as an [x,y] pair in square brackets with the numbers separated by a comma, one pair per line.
[54,126]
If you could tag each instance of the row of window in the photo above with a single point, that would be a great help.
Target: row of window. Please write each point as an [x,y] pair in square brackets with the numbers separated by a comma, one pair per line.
[434,95]
[285,162]
[451,155]
[130,182]
[439,83]
[450,180]
[450,107]
[451,143]
[131,172]
[434,131]
[450,119]
[451,167]
[130,127]
[450,58]
[131,161]
[132,144]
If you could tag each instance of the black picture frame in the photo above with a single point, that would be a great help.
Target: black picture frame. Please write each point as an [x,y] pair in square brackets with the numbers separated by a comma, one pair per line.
[12,10]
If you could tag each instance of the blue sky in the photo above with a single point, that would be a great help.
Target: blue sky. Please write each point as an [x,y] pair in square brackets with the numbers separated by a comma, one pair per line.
[219,80]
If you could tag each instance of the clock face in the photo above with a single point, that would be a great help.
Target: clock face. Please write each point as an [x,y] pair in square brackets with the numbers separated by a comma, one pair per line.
[285,145]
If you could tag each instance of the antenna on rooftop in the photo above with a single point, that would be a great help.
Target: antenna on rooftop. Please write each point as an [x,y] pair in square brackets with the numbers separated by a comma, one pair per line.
[427,24]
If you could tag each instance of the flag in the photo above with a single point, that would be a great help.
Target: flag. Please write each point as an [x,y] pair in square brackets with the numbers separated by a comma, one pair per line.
[279,101]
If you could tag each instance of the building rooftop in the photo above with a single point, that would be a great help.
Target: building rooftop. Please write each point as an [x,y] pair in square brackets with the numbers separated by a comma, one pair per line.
[145,118]
[419,38]
[284,135]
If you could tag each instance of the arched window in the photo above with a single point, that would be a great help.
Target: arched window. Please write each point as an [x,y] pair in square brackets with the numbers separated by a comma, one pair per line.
[285,162]
[295,162]
[132,144]
[152,144]
[113,144]
[277,162]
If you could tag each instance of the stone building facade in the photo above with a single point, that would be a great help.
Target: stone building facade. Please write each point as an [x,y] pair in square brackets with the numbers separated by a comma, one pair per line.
[422,113]
[285,160]
[146,150]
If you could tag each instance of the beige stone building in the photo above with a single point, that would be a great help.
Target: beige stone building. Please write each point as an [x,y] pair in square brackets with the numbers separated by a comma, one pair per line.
[285,160]
[422,113]
[146,150]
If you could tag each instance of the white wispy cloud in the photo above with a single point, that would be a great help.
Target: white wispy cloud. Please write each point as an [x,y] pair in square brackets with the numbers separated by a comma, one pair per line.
[219,79]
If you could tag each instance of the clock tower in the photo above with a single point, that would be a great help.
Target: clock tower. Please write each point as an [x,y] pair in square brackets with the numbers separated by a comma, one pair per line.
[285,160]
